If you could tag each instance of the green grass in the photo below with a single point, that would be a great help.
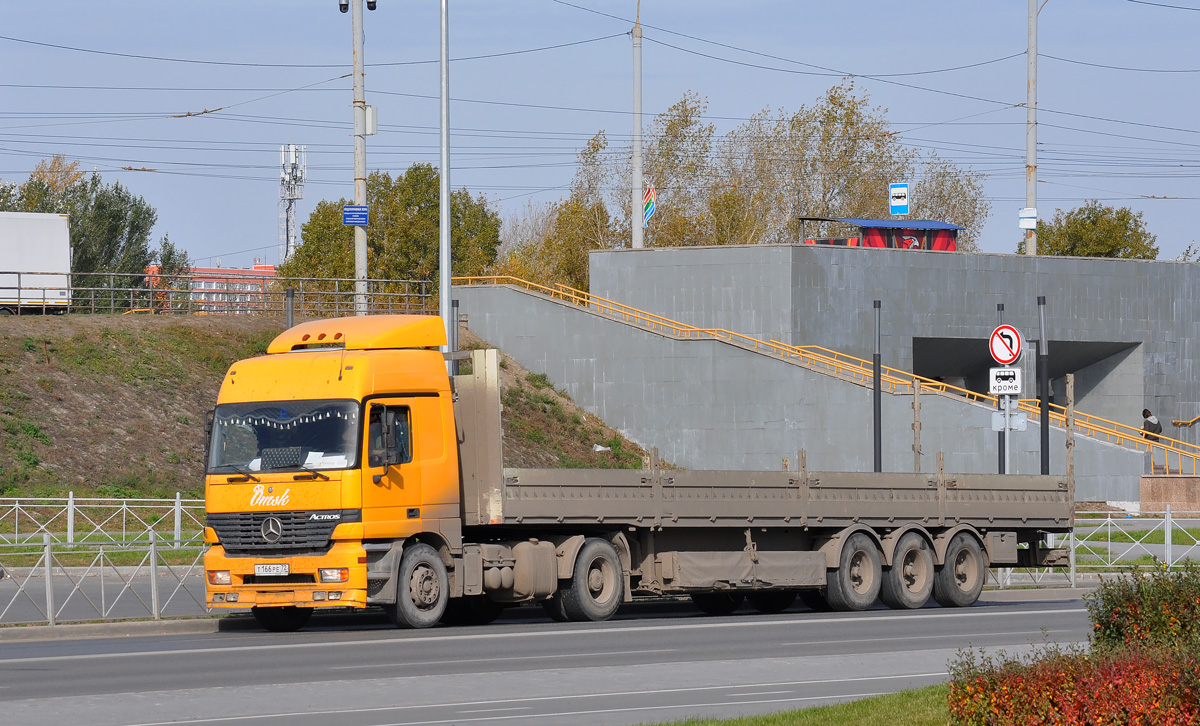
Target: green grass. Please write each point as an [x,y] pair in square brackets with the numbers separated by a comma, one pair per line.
[1179,536]
[919,707]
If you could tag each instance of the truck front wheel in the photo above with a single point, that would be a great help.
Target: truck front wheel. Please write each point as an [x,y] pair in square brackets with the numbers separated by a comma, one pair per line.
[854,585]
[959,581]
[282,620]
[595,589]
[422,590]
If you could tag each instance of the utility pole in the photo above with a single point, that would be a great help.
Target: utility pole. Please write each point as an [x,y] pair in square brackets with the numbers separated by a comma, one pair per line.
[444,270]
[360,157]
[1031,128]
[635,219]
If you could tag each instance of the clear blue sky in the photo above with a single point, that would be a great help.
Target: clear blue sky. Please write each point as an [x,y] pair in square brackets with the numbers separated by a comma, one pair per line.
[1116,135]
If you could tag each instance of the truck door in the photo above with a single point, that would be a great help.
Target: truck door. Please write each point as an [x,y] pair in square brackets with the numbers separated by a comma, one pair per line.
[391,490]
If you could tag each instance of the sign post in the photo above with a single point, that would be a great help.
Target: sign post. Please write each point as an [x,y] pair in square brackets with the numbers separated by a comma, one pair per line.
[1006,344]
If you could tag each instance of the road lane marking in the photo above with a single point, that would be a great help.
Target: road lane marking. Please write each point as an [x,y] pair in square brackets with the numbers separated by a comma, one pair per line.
[917,637]
[761,693]
[532,699]
[493,710]
[424,663]
[553,632]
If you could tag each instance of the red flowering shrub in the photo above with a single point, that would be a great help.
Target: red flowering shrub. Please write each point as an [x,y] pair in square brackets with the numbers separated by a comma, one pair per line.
[1134,686]
[1143,668]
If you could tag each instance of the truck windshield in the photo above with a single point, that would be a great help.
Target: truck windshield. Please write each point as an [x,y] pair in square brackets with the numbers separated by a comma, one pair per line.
[283,435]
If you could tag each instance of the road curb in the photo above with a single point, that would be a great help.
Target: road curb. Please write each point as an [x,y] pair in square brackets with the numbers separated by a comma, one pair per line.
[124,629]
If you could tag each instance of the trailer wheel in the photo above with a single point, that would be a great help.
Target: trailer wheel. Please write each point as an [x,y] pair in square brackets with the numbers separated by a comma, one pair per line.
[594,591]
[815,600]
[282,620]
[908,582]
[472,610]
[422,590]
[718,603]
[958,582]
[854,585]
[771,601]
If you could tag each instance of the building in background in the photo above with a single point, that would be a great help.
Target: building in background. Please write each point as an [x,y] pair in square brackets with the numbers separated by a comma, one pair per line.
[215,290]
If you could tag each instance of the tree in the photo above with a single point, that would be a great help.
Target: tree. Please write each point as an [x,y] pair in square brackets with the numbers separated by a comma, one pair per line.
[170,259]
[402,239]
[1095,230]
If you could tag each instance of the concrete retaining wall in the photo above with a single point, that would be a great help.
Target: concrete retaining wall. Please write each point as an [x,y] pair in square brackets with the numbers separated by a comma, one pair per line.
[711,405]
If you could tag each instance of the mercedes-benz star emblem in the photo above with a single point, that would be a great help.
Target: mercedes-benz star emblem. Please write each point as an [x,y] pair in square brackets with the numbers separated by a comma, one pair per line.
[272,529]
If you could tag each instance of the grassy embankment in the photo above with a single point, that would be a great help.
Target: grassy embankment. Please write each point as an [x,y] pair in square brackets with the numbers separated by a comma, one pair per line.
[918,707]
[113,406]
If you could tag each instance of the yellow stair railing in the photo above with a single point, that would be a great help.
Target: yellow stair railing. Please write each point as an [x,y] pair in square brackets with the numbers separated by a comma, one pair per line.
[860,371]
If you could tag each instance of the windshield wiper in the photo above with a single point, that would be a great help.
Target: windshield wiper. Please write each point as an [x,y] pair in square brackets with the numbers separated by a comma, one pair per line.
[312,474]
[245,474]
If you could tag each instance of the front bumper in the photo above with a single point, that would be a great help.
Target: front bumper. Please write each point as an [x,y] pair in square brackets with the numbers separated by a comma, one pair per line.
[302,589]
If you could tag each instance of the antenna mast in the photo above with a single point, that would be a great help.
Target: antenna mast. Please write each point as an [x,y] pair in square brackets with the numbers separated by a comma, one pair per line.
[293,168]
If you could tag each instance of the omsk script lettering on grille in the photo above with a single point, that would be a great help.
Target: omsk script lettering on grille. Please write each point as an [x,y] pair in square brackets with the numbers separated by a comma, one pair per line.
[259,499]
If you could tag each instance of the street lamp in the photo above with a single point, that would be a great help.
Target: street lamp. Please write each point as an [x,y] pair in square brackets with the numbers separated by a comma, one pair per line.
[360,152]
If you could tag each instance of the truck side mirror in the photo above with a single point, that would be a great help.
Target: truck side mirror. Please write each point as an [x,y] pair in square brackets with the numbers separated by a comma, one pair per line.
[208,429]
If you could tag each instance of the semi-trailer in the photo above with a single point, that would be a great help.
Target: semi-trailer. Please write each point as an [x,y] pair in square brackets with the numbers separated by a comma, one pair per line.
[347,468]
[35,263]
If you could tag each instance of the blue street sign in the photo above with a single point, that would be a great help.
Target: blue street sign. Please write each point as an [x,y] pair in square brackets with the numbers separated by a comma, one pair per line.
[898,198]
[354,215]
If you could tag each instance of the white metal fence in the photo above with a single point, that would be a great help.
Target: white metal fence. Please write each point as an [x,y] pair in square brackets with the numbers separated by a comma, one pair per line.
[94,559]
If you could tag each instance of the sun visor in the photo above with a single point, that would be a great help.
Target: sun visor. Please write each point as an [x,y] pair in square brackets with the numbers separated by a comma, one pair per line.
[367,332]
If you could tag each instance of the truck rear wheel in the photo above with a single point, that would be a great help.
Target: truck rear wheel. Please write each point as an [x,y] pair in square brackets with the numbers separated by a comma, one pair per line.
[854,585]
[909,581]
[771,601]
[422,589]
[596,587]
[718,603]
[282,620]
[958,582]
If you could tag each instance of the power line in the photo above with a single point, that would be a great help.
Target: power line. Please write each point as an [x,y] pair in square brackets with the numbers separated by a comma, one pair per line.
[237,64]
[1119,68]
[1164,5]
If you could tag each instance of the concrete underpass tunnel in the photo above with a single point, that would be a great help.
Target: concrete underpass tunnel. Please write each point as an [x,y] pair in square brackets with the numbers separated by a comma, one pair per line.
[1108,374]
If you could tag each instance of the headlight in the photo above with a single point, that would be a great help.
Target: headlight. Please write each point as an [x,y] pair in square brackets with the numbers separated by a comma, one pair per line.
[334,574]
[219,577]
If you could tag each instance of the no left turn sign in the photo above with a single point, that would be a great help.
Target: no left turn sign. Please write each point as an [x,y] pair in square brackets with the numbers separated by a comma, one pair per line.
[1006,344]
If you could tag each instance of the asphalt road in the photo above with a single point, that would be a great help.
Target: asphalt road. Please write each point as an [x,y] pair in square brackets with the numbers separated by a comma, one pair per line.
[655,662]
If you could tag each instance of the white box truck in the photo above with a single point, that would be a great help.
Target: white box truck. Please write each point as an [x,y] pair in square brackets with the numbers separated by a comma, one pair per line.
[35,263]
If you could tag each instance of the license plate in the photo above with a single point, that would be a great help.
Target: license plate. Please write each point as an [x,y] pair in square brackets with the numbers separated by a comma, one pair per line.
[271,570]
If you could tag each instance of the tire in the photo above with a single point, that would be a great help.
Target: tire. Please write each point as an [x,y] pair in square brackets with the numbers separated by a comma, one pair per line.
[908,583]
[815,600]
[854,585]
[282,620]
[422,589]
[771,601]
[597,584]
[958,582]
[471,610]
[718,603]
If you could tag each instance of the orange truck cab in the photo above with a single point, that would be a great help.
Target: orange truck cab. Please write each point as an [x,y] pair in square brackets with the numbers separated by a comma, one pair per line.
[324,453]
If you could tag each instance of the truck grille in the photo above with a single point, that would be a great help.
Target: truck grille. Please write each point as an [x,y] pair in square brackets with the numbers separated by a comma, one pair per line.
[244,532]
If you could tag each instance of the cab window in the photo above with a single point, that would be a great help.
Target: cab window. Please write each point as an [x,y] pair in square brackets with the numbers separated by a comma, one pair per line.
[401,434]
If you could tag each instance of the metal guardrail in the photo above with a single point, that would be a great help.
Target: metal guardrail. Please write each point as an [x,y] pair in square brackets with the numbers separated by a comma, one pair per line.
[230,293]
[1176,457]
[71,520]
[52,582]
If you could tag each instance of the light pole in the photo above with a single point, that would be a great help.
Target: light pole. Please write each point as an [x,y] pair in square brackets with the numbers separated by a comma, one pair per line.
[360,151]
[444,262]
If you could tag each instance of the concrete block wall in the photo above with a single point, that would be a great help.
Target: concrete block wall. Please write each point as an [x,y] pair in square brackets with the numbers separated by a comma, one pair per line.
[821,295]
[710,405]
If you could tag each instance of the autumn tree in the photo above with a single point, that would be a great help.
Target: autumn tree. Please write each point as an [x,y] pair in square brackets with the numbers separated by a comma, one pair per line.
[402,239]
[1095,230]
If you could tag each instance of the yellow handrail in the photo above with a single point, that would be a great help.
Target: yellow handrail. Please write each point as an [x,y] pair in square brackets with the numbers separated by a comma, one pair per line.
[858,370]
[1177,422]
